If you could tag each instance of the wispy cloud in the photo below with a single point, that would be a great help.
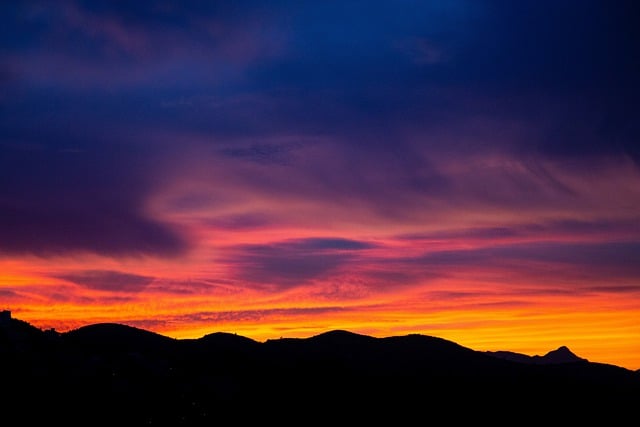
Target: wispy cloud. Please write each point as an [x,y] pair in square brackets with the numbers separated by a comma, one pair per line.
[111,281]
[294,262]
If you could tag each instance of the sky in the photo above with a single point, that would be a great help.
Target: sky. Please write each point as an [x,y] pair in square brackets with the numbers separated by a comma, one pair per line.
[462,169]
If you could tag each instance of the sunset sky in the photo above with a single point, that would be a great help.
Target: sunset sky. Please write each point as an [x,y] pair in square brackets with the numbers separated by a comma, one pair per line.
[462,169]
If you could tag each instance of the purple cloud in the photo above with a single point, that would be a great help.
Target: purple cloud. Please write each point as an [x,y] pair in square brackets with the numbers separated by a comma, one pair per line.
[57,200]
[107,280]
[582,264]
[293,262]
[562,229]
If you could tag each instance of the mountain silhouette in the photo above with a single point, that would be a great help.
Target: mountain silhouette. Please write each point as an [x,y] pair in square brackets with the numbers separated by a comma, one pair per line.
[113,374]
[560,355]
[114,337]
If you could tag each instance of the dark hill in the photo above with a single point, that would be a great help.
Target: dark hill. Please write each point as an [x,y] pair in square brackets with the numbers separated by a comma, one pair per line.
[226,340]
[111,374]
[115,337]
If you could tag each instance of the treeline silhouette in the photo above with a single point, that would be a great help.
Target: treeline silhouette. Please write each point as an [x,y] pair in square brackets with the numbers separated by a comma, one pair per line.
[113,374]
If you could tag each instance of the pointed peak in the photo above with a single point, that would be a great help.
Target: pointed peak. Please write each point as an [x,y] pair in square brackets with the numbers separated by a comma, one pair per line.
[563,349]
[562,355]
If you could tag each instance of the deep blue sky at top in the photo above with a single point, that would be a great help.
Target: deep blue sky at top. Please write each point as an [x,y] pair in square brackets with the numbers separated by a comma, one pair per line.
[87,88]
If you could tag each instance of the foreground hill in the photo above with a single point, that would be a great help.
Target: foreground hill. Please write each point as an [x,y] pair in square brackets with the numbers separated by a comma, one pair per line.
[112,374]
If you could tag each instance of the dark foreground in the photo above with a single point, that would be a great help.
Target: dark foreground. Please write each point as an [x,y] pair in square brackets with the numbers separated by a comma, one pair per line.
[111,374]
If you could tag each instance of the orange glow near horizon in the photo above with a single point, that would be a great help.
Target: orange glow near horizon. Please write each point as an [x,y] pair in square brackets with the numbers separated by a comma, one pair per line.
[471,308]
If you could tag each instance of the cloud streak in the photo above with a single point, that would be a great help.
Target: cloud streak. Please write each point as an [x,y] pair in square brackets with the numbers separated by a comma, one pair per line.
[111,281]
[293,262]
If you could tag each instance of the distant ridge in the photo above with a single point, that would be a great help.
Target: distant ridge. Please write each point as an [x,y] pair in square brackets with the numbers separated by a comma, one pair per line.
[560,355]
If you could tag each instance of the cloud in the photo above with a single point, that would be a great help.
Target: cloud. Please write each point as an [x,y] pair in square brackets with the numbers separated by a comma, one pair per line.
[80,44]
[46,231]
[9,294]
[423,51]
[325,244]
[578,265]
[260,152]
[191,287]
[55,201]
[255,315]
[632,289]
[559,230]
[107,280]
[292,263]
[242,221]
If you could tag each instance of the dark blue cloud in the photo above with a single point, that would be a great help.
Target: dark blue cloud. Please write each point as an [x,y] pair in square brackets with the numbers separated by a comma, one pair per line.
[248,221]
[261,152]
[293,262]
[327,243]
[572,63]
[611,260]
[365,70]
[82,198]
[543,230]
[107,280]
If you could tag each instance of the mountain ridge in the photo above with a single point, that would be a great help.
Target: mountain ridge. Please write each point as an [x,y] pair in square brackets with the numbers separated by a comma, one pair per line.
[124,332]
[127,373]
[561,354]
